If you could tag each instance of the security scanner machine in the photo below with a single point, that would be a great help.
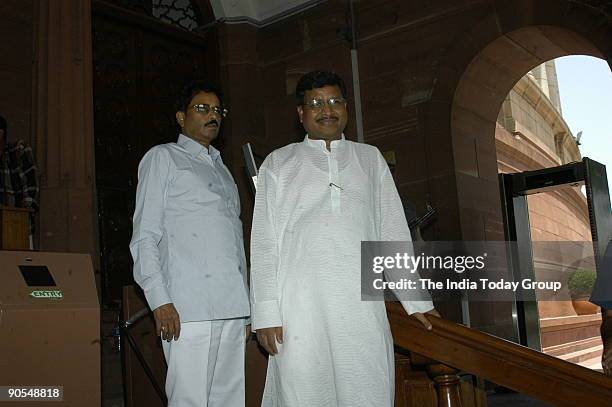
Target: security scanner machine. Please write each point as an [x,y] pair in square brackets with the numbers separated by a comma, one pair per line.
[514,189]
[49,330]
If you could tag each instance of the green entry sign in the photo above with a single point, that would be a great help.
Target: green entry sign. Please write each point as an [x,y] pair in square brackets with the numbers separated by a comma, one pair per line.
[47,294]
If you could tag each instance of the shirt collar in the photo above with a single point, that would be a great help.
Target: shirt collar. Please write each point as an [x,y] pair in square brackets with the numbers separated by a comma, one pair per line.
[321,143]
[195,149]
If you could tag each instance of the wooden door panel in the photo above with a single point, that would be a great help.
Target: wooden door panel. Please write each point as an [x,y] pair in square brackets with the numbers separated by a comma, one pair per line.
[116,84]
[138,66]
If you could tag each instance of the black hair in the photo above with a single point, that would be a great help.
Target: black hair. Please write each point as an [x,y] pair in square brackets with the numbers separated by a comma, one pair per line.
[193,88]
[318,79]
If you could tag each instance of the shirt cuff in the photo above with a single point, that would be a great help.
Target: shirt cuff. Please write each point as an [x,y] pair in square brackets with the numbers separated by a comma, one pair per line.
[266,314]
[156,297]
[417,306]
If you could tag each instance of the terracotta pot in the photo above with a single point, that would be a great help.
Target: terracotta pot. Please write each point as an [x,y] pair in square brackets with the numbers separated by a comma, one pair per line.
[582,306]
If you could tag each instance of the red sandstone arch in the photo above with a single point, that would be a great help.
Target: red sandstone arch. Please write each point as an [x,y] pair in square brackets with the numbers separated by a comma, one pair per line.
[473,81]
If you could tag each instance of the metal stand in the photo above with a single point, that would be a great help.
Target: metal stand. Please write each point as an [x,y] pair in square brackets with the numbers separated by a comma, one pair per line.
[124,330]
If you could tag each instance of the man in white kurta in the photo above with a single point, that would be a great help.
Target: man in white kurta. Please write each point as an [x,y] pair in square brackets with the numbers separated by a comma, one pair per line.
[316,201]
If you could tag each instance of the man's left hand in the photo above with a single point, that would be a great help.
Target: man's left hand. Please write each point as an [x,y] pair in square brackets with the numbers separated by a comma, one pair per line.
[423,318]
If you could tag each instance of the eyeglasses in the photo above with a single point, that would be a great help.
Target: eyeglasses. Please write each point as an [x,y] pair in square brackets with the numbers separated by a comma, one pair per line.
[206,109]
[317,104]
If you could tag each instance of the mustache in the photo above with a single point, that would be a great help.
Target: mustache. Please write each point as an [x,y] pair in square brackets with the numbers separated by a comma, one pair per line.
[327,117]
[212,121]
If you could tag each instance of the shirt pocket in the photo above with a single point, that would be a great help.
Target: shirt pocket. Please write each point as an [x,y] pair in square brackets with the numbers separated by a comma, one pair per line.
[195,186]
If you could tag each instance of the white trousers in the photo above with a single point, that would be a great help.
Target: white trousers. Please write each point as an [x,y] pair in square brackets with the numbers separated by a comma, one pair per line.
[206,364]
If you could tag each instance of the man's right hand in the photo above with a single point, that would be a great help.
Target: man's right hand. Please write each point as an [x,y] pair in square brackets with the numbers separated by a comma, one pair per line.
[268,337]
[167,322]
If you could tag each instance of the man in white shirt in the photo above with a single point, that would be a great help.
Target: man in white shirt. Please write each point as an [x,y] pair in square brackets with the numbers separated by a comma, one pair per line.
[189,257]
[316,201]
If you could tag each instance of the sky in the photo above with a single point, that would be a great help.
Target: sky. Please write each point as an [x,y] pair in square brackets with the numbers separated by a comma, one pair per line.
[585,87]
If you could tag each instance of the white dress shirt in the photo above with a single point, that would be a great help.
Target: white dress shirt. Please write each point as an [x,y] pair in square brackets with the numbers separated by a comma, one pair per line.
[187,241]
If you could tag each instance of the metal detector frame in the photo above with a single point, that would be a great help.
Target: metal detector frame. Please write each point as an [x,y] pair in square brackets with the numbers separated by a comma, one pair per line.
[514,189]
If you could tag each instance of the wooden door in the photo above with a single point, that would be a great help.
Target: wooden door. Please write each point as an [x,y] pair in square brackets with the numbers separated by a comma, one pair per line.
[139,63]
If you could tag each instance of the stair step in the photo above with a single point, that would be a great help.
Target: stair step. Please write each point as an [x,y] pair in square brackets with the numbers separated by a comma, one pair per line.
[593,364]
[570,347]
[583,355]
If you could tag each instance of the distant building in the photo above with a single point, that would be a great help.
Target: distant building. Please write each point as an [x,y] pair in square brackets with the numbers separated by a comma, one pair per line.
[531,134]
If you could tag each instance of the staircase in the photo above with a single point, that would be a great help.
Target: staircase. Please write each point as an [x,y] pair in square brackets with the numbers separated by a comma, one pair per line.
[574,339]
[544,377]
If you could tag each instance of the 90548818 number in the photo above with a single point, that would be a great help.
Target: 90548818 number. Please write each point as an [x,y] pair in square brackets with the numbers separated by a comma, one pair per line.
[40,393]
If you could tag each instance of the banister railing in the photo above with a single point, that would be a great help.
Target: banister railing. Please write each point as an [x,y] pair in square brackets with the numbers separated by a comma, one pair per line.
[503,362]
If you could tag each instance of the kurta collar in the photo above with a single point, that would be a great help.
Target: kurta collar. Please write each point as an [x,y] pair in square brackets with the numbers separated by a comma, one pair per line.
[321,143]
[195,149]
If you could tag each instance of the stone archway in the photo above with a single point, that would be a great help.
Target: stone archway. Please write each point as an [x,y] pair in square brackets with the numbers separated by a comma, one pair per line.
[478,98]
[475,77]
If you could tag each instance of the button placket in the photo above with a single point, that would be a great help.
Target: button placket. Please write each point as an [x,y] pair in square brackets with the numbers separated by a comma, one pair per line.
[334,182]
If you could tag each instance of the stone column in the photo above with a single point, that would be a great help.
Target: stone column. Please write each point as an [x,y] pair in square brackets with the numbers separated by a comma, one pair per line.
[63,115]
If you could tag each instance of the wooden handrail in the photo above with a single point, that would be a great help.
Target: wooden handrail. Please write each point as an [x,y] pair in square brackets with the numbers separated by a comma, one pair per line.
[502,362]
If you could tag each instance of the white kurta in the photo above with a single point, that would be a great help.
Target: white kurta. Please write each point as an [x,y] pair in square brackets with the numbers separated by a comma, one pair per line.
[305,275]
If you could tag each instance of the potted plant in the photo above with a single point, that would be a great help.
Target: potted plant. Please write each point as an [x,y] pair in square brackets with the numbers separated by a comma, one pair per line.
[580,286]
